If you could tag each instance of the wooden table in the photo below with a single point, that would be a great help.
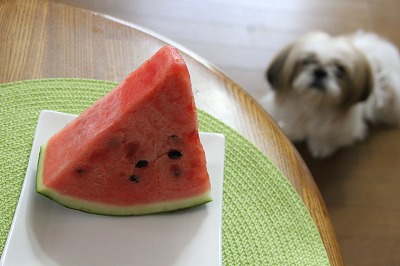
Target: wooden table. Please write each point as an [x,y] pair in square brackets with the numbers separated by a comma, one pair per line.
[45,39]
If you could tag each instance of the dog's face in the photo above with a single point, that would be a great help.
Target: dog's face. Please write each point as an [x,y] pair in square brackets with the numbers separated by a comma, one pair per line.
[322,70]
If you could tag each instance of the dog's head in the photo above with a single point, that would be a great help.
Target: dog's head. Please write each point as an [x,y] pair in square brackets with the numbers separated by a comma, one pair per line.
[323,70]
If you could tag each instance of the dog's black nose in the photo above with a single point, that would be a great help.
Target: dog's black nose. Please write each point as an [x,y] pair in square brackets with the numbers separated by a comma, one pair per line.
[320,73]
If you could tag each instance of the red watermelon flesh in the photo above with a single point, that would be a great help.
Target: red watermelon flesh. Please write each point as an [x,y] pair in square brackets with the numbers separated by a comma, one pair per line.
[135,151]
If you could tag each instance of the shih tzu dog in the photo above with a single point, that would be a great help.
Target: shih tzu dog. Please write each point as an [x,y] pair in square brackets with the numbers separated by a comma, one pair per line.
[326,89]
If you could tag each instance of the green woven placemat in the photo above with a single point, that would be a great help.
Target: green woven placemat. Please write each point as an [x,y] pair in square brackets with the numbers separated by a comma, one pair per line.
[264,220]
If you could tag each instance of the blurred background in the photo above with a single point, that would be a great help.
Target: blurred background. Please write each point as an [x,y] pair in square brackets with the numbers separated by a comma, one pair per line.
[360,184]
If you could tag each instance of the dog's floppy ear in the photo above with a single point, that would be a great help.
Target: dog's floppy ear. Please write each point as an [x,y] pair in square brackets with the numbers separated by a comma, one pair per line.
[362,82]
[275,72]
[367,84]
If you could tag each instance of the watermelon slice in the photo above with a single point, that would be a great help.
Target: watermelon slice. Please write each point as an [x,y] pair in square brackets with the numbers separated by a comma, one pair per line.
[135,151]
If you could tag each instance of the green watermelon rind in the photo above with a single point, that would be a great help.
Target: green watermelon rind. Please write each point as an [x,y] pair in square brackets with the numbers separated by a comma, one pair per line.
[110,209]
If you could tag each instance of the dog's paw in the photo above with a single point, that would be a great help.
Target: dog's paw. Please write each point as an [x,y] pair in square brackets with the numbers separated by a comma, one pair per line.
[320,150]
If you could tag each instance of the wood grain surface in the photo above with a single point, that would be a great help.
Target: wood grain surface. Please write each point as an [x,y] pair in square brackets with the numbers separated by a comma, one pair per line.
[45,39]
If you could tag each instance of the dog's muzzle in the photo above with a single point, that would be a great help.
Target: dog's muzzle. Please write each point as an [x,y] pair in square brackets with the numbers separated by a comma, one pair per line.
[319,76]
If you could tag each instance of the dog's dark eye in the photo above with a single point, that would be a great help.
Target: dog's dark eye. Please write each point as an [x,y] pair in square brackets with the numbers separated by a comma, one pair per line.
[307,61]
[340,71]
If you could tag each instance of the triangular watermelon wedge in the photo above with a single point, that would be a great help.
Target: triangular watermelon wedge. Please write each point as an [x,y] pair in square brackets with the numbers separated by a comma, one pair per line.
[135,151]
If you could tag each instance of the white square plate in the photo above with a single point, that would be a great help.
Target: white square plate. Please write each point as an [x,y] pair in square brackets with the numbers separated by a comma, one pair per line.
[46,233]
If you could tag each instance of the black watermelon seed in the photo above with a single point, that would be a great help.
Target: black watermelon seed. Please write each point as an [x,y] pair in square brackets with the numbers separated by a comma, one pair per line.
[80,171]
[134,179]
[141,164]
[174,154]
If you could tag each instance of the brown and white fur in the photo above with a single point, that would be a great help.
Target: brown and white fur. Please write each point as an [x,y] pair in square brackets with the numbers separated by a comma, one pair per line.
[325,89]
